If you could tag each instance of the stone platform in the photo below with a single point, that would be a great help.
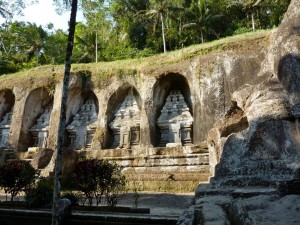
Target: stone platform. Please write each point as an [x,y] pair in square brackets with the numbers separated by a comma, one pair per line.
[178,169]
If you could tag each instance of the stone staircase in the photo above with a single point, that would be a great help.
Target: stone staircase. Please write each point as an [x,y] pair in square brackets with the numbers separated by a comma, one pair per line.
[178,169]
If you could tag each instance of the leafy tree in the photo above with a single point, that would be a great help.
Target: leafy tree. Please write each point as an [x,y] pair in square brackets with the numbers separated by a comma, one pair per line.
[23,44]
[129,31]
[17,176]
[40,195]
[97,30]
[158,12]
[86,178]
[55,47]
[201,18]
[99,178]
[266,11]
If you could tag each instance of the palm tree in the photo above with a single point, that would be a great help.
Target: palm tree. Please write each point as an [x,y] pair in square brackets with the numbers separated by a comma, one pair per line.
[250,6]
[201,18]
[158,11]
[62,118]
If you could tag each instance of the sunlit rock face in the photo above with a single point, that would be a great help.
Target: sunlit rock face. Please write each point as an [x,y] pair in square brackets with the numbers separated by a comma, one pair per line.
[175,122]
[267,150]
[41,128]
[126,125]
[5,129]
[82,129]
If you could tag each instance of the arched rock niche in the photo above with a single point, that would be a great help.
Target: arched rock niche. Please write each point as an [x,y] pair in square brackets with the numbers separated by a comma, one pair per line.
[123,116]
[82,115]
[36,117]
[7,101]
[171,103]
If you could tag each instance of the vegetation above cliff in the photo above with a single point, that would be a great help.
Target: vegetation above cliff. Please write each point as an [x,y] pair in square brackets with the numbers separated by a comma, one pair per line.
[153,65]
[122,29]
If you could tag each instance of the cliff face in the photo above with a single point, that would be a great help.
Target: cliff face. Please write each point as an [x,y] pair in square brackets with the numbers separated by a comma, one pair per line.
[263,145]
[149,115]
[254,147]
[206,81]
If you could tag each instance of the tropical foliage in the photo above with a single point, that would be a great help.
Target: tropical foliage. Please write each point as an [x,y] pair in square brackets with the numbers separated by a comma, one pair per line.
[17,176]
[120,29]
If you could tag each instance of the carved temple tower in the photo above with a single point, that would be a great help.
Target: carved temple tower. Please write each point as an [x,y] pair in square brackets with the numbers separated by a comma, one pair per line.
[41,128]
[82,129]
[126,125]
[175,122]
[5,129]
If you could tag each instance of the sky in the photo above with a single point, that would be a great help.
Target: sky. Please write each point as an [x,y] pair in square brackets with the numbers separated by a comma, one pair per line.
[44,13]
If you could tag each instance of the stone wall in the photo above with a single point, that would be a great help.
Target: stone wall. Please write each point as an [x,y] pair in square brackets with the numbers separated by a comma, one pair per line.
[262,147]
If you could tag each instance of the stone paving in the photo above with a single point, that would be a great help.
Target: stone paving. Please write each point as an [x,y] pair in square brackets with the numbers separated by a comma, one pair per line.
[160,204]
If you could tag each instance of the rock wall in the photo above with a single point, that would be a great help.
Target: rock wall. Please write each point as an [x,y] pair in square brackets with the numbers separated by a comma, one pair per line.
[254,146]
[256,142]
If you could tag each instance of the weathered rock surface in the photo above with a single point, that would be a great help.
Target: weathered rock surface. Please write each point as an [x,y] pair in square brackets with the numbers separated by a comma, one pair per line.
[241,206]
[267,210]
[186,217]
[255,145]
[42,158]
[257,142]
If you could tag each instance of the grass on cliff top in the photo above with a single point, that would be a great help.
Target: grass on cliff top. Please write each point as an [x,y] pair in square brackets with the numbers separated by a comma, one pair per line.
[132,66]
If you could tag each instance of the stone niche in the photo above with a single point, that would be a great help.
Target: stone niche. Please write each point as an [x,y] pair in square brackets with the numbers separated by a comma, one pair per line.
[35,120]
[40,130]
[5,130]
[126,124]
[82,129]
[175,121]
[7,100]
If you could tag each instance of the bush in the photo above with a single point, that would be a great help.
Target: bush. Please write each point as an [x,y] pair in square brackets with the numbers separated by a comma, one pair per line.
[17,176]
[74,198]
[242,30]
[7,67]
[85,172]
[98,179]
[39,196]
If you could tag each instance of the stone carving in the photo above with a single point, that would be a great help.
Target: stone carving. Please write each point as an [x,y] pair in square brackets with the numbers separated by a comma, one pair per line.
[126,125]
[175,122]
[41,128]
[82,129]
[5,129]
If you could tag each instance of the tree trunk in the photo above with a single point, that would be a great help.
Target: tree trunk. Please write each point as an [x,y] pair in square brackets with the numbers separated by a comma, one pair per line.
[63,107]
[202,39]
[252,19]
[96,44]
[163,32]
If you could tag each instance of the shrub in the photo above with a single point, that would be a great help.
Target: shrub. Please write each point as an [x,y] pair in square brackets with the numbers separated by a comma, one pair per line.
[17,176]
[98,179]
[74,198]
[242,30]
[114,186]
[86,173]
[40,196]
